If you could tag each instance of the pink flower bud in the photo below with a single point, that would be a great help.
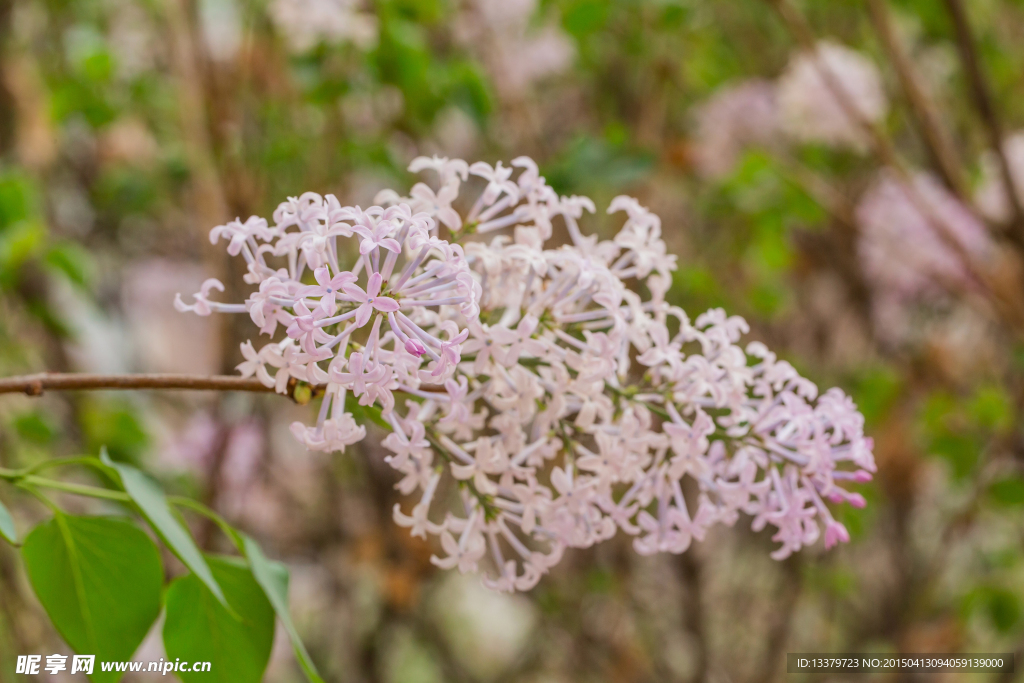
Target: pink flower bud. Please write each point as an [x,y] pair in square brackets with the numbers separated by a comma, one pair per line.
[415,347]
[835,533]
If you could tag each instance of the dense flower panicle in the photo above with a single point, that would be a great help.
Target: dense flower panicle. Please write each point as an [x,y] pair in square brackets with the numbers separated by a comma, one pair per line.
[809,109]
[536,401]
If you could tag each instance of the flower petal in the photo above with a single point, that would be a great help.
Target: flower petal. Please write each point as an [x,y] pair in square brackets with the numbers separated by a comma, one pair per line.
[373,286]
[386,304]
[354,291]
[363,314]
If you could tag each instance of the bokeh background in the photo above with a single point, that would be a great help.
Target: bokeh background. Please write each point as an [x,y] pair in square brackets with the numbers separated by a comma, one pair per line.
[129,128]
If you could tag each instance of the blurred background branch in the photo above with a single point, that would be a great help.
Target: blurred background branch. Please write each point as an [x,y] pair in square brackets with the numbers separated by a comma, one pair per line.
[982,100]
[933,131]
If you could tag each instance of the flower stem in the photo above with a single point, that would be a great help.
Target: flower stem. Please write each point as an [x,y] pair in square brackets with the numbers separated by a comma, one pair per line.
[34,481]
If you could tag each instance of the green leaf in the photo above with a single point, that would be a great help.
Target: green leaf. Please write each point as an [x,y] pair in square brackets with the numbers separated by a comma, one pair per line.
[199,629]
[991,408]
[19,243]
[1003,609]
[583,17]
[273,578]
[18,198]
[73,261]
[7,529]
[154,506]
[591,163]
[115,426]
[876,390]
[34,427]
[99,580]
[1008,491]
[364,414]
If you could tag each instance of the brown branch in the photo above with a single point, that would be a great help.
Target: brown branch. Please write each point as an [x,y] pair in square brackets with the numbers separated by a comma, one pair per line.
[982,98]
[935,135]
[35,385]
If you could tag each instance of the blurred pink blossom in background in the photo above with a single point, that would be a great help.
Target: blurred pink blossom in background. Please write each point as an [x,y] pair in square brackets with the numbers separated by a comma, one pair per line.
[906,260]
[808,107]
[735,118]
[306,23]
[516,54]
[991,195]
[162,341]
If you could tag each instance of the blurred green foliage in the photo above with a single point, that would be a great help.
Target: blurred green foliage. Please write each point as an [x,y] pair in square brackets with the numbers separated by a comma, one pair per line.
[22,234]
[35,427]
[957,429]
[116,426]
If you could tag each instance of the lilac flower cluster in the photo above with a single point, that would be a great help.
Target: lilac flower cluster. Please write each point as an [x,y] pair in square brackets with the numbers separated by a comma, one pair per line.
[537,401]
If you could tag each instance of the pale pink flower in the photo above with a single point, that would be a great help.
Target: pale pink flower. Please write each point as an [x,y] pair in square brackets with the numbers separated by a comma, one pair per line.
[370,300]
[327,288]
[265,308]
[450,353]
[438,204]
[360,375]
[242,235]
[331,436]
[255,363]
[517,51]
[376,236]
[498,179]
[447,169]
[202,306]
